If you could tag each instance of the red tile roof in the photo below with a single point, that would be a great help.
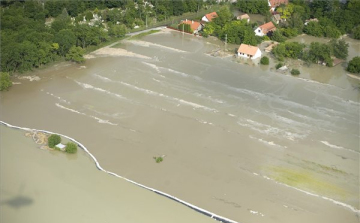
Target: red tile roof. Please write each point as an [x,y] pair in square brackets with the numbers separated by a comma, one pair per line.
[247,49]
[267,27]
[275,3]
[211,16]
[193,24]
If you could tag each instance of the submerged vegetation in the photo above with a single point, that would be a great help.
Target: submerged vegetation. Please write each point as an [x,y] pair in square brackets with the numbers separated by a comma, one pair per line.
[158,159]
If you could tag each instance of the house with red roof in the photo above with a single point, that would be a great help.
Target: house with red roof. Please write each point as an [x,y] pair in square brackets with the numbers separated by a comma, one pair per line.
[275,3]
[194,25]
[209,17]
[265,29]
[248,51]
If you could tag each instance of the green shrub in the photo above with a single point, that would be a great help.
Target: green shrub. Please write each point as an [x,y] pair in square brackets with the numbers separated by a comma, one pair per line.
[295,72]
[5,81]
[53,140]
[354,65]
[158,159]
[279,65]
[264,60]
[71,147]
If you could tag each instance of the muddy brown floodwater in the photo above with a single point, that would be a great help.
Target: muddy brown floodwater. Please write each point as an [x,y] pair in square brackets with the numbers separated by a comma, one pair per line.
[238,140]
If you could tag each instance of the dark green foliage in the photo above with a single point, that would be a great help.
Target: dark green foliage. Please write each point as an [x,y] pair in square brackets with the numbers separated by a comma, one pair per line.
[354,65]
[53,140]
[264,60]
[339,48]
[66,39]
[314,29]
[71,147]
[295,72]
[158,159]
[27,43]
[277,36]
[254,7]
[75,54]
[319,53]
[185,27]
[5,82]
[288,49]
[117,30]
[279,65]
[356,32]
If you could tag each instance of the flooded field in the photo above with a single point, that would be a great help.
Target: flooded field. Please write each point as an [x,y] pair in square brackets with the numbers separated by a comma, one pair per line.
[238,140]
[43,186]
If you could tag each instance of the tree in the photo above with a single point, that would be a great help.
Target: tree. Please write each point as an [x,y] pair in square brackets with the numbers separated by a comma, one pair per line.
[224,16]
[66,39]
[71,147]
[339,48]
[75,54]
[264,60]
[117,30]
[313,29]
[356,32]
[295,72]
[185,27]
[254,7]
[53,140]
[5,82]
[320,52]
[354,65]
[277,36]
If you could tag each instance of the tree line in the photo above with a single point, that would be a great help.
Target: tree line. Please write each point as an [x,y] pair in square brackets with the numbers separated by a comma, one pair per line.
[35,33]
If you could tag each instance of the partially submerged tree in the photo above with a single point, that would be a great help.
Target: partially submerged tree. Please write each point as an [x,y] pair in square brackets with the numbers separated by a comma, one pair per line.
[76,54]
[5,82]
[354,65]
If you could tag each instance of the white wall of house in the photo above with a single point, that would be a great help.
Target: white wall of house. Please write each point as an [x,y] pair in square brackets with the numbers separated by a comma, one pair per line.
[257,55]
[204,19]
[258,32]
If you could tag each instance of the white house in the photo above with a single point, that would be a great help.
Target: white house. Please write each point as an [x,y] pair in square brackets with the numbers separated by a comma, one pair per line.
[209,17]
[265,29]
[248,51]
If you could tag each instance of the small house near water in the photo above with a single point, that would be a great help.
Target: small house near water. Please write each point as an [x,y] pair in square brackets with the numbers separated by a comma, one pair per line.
[209,17]
[248,51]
[194,25]
[265,29]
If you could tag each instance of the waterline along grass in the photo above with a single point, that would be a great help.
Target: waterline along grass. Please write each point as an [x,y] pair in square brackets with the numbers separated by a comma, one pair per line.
[140,35]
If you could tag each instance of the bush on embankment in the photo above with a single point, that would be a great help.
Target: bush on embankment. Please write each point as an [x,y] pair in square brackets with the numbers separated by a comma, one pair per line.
[295,72]
[53,140]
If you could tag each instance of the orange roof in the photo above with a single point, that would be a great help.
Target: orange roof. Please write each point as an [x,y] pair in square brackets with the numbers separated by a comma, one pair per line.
[247,49]
[193,24]
[211,15]
[267,27]
[275,3]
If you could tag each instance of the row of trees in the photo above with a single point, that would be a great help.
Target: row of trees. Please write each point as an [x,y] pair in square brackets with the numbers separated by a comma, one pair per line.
[315,53]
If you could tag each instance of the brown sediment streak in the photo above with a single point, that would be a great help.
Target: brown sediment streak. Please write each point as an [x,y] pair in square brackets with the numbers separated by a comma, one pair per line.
[194,207]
